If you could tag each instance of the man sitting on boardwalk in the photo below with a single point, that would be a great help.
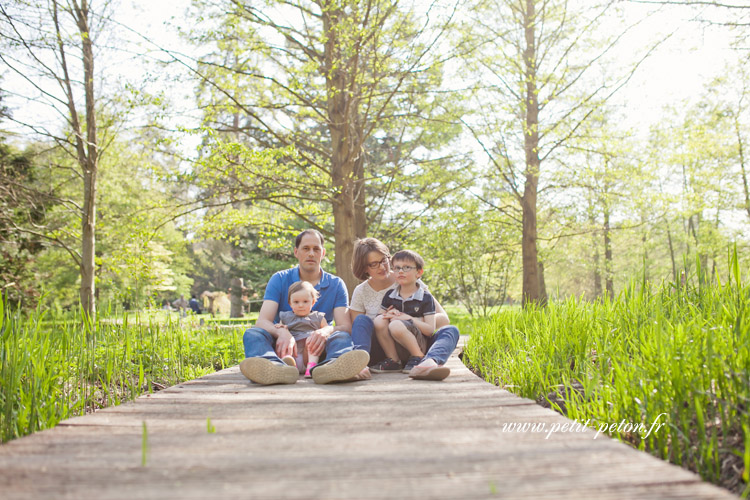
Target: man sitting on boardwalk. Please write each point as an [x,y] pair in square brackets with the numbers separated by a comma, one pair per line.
[270,350]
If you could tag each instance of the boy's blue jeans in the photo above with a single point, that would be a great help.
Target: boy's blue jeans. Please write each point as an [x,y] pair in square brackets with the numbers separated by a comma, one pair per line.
[259,344]
[442,343]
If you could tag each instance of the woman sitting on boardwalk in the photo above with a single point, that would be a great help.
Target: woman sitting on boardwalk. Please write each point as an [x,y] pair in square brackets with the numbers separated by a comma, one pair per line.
[371,262]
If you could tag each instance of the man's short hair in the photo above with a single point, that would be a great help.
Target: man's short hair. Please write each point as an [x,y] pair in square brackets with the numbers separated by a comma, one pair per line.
[309,231]
[302,285]
[359,257]
[409,256]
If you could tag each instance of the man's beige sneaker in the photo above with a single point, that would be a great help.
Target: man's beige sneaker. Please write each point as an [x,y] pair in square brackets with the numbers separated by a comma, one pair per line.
[344,368]
[265,372]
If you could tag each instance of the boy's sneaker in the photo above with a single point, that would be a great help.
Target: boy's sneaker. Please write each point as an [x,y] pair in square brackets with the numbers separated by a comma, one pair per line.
[344,368]
[386,366]
[266,372]
[413,361]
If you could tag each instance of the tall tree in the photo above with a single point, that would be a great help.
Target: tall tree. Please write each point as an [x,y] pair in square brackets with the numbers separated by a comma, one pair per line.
[342,94]
[544,73]
[50,46]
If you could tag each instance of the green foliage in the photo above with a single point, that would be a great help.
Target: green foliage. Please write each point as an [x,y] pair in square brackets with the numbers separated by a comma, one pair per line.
[276,161]
[54,367]
[469,255]
[19,207]
[679,350]
[142,254]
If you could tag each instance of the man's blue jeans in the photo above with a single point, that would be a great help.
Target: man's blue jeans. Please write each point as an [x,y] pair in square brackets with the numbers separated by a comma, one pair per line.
[442,343]
[259,344]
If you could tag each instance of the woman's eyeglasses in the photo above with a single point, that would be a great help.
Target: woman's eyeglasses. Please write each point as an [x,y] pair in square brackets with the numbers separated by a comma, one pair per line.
[382,262]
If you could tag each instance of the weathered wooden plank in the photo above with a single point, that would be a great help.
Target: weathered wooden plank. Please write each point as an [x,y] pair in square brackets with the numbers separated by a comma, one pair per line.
[389,437]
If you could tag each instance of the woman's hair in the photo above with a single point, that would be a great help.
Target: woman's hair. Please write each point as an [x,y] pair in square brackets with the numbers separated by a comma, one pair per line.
[359,257]
[302,285]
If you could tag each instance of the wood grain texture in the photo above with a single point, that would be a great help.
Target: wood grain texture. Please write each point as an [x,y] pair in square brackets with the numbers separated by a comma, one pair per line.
[391,437]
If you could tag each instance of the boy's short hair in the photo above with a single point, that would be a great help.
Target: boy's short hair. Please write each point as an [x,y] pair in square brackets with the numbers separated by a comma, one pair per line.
[302,285]
[409,256]
[359,257]
[301,235]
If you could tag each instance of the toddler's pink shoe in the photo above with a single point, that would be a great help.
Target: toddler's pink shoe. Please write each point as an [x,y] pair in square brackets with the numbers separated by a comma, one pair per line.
[310,366]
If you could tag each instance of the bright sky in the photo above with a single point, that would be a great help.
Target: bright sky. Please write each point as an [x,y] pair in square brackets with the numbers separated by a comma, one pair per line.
[678,69]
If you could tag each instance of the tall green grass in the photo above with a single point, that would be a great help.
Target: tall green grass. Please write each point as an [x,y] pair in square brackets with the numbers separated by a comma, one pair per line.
[682,351]
[52,369]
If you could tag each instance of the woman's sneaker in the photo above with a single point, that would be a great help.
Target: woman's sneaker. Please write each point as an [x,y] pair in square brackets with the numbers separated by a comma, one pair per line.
[386,366]
[413,361]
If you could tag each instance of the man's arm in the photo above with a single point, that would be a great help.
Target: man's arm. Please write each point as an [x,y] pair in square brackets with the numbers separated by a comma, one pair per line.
[266,316]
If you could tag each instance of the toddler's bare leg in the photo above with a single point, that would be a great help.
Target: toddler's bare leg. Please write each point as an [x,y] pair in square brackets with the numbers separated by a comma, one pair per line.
[403,336]
[301,352]
[311,358]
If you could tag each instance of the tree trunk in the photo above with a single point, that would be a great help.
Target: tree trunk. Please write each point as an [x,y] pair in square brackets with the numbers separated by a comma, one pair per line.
[597,261]
[609,281]
[86,147]
[542,285]
[531,282]
[88,255]
[644,242]
[743,170]
[671,252]
[360,202]
[236,291]
[342,110]
[360,198]
[88,244]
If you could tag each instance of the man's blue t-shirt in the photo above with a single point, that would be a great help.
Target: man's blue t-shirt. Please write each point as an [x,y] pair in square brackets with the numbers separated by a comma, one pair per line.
[332,291]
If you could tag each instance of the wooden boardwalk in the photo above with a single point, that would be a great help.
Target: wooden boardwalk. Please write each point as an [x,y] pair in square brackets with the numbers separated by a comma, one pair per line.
[391,437]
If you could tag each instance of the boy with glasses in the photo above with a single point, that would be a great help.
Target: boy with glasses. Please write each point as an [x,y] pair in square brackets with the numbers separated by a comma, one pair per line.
[407,317]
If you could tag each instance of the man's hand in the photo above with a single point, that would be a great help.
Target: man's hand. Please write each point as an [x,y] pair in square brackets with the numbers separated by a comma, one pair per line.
[316,342]
[285,343]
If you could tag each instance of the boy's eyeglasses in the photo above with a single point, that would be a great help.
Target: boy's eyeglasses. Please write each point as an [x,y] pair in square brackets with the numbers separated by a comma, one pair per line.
[404,269]
[382,262]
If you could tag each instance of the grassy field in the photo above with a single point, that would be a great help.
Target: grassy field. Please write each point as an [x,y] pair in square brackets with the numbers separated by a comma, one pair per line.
[678,355]
[55,368]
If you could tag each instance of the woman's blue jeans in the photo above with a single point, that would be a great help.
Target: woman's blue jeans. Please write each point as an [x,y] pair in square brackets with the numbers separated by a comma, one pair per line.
[441,344]
[260,344]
